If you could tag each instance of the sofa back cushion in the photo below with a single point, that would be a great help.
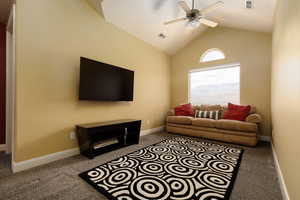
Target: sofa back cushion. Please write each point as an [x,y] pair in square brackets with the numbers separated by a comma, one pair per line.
[237,112]
[252,110]
[184,110]
[223,109]
[208,107]
[213,114]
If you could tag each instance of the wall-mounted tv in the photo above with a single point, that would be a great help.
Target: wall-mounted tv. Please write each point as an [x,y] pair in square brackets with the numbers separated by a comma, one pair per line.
[103,82]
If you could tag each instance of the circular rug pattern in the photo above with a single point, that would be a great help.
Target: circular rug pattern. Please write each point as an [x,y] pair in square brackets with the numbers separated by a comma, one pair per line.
[179,168]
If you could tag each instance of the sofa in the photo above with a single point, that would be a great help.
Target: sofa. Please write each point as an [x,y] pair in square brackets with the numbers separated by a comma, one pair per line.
[233,131]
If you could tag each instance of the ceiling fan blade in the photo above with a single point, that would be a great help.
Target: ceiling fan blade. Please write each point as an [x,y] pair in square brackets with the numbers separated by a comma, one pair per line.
[217,19]
[184,6]
[175,20]
[211,7]
[208,22]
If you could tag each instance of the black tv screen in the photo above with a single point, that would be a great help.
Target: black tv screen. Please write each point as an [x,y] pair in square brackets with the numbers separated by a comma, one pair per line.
[103,82]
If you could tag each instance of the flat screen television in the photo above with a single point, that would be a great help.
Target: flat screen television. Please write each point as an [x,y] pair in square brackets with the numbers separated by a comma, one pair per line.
[103,82]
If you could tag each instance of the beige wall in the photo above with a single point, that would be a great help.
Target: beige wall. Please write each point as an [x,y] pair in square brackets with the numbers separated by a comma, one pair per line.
[252,50]
[51,36]
[285,96]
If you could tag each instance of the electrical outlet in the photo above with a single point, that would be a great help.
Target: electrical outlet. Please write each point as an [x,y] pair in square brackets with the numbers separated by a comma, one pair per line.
[148,122]
[72,135]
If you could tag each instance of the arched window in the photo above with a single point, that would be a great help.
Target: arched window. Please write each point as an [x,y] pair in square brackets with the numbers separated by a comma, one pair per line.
[212,55]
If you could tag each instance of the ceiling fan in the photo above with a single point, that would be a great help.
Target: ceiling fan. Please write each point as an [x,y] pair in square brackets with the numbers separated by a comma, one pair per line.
[195,16]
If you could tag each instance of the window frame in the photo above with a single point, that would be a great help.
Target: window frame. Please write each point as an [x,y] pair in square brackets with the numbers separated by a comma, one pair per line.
[209,50]
[212,68]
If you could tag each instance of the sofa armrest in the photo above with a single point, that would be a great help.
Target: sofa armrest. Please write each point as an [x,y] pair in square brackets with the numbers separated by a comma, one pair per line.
[254,118]
[171,112]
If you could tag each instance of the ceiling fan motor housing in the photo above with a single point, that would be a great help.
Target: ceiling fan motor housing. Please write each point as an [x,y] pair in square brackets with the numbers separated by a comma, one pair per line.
[194,14]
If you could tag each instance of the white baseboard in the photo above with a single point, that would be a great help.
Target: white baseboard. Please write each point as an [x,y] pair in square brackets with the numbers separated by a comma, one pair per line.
[284,191]
[34,162]
[265,138]
[2,147]
[153,130]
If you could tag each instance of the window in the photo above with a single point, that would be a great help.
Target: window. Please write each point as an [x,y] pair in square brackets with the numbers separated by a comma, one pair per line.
[218,85]
[212,55]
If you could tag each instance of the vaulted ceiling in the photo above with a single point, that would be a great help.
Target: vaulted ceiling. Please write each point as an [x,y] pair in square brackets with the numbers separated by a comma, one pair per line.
[144,19]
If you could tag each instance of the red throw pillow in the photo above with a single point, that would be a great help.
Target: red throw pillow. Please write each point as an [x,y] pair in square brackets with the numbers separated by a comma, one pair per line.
[184,110]
[237,112]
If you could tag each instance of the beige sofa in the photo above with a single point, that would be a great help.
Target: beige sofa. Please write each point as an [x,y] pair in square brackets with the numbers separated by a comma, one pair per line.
[238,132]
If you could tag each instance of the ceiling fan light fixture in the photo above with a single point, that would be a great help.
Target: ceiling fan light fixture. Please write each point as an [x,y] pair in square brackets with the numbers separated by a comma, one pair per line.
[193,24]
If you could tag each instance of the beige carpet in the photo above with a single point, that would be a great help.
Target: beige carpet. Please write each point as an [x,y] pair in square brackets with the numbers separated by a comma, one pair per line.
[256,180]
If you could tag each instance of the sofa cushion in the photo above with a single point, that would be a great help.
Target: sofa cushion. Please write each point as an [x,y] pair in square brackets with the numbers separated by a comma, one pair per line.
[184,110]
[180,120]
[204,122]
[237,112]
[252,110]
[235,125]
[213,114]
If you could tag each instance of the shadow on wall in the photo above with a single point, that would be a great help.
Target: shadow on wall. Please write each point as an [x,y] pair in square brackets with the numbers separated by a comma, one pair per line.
[2,81]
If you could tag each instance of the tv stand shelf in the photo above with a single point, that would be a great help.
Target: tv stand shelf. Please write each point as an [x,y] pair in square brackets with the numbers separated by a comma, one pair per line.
[117,134]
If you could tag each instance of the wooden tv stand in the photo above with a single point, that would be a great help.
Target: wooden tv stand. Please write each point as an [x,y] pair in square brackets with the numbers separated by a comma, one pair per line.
[92,138]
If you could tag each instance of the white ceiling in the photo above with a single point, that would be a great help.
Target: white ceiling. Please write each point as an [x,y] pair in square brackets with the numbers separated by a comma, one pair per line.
[144,19]
[5,6]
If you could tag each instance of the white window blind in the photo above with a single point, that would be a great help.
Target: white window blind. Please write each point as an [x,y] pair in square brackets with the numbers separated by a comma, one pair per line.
[215,86]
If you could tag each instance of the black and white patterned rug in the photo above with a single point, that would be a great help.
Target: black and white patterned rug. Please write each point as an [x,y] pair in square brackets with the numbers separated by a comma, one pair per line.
[178,168]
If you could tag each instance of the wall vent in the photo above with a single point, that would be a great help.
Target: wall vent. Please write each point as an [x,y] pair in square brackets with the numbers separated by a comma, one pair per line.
[163,36]
[248,4]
